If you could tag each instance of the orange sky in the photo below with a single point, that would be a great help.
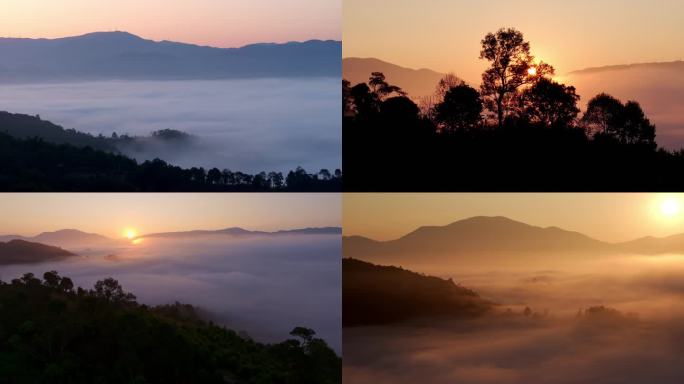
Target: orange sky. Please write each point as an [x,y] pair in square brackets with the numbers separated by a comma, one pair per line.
[604,216]
[444,35]
[110,213]
[222,23]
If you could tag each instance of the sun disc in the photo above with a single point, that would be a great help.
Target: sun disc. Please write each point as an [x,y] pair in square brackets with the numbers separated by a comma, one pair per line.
[532,71]
[670,207]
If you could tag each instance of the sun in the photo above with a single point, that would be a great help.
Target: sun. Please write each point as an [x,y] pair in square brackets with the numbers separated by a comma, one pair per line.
[532,71]
[130,233]
[670,206]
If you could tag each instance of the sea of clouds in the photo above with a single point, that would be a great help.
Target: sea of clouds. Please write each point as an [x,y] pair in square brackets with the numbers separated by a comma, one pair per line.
[243,125]
[643,345]
[264,285]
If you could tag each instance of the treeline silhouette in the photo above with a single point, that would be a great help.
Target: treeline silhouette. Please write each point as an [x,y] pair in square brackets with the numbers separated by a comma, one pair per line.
[53,332]
[373,294]
[35,165]
[520,131]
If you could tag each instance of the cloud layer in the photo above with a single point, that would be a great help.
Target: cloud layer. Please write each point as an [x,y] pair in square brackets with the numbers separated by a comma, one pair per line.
[646,344]
[246,125]
[265,286]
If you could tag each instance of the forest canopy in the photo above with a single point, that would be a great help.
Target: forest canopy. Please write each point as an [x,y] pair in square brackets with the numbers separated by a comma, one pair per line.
[54,332]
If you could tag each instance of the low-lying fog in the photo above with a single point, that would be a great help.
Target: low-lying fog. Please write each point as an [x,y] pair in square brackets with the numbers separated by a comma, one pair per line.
[264,285]
[643,344]
[243,125]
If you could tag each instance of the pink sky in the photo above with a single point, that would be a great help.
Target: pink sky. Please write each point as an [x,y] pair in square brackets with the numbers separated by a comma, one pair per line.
[221,23]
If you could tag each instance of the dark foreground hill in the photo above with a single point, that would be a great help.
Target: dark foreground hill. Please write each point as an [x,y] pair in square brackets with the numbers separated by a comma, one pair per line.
[33,165]
[26,252]
[121,55]
[53,333]
[373,294]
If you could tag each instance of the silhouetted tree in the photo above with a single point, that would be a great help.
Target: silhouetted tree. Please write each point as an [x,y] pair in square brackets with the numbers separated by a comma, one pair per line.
[347,99]
[110,290]
[382,88]
[550,103]
[399,111]
[214,176]
[51,279]
[626,123]
[366,102]
[276,179]
[511,62]
[460,110]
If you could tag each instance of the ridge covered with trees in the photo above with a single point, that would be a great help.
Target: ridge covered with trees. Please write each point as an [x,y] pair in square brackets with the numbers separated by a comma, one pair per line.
[54,332]
[373,294]
[520,131]
[36,155]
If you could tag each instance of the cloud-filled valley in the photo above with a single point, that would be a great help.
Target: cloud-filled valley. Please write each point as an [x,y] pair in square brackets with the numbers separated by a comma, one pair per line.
[263,285]
[244,125]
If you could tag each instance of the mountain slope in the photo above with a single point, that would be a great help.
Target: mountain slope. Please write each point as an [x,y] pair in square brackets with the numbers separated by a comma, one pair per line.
[58,333]
[473,236]
[25,252]
[121,55]
[373,294]
[417,83]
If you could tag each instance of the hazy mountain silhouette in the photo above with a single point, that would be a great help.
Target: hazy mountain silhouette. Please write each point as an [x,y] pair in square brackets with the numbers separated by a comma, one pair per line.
[417,82]
[26,252]
[121,55]
[373,294]
[474,236]
[658,87]
[65,238]
[237,231]
[650,245]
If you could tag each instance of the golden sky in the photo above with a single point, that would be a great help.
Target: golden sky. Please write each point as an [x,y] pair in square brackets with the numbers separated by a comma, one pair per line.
[222,23]
[608,217]
[110,213]
[445,35]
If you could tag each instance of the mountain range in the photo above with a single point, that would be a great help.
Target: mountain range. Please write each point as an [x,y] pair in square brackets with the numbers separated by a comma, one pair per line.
[124,56]
[484,238]
[237,231]
[25,252]
[65,238]
[658,87]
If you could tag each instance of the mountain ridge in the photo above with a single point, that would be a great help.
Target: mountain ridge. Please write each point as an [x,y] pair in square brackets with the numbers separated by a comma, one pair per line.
[485,235]
[124,56]
[18,251]
[238,231]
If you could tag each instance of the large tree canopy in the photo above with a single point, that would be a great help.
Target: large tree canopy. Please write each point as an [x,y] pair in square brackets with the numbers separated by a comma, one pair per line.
[512,66]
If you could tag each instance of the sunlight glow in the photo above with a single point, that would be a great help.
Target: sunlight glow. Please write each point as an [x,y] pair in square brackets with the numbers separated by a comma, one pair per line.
[532,71]
[130,233]
[670,206]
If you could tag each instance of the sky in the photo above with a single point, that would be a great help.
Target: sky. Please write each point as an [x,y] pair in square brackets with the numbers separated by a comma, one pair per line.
[110,213]
[607,217]
[445,35]
[220,23]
